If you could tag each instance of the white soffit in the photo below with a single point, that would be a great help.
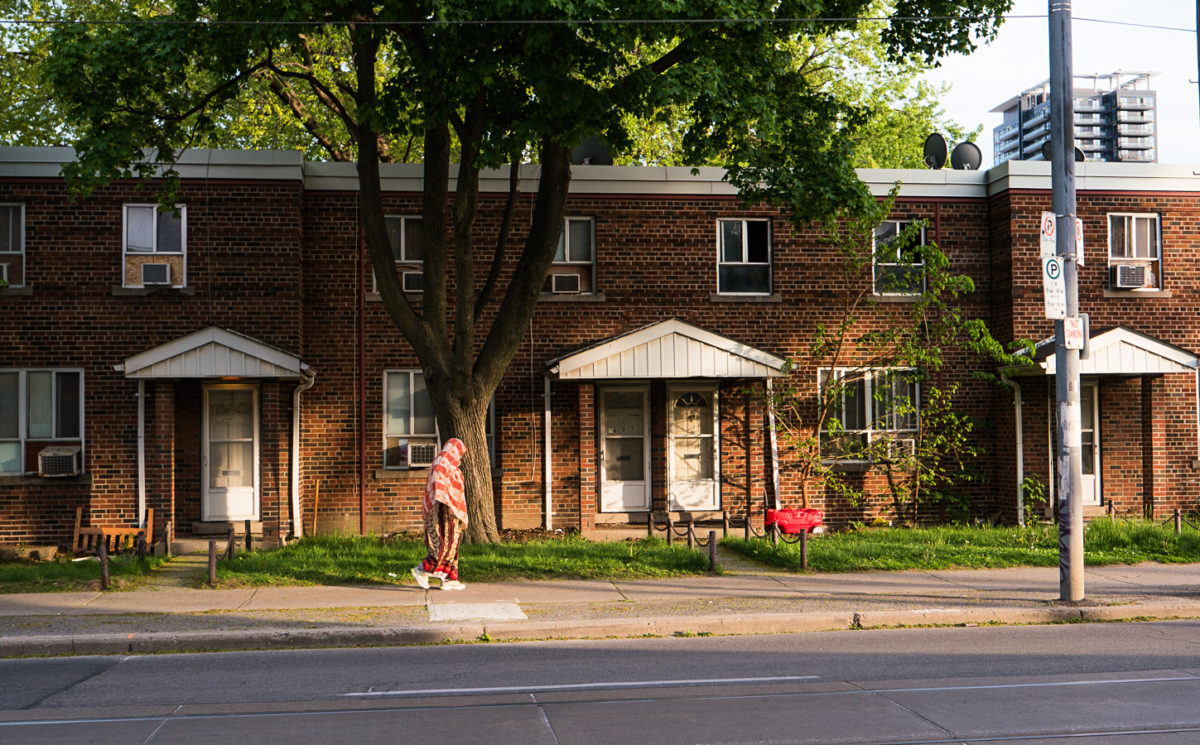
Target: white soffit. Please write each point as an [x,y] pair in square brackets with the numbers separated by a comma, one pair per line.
[1123,351]
[668,349]
[213,353]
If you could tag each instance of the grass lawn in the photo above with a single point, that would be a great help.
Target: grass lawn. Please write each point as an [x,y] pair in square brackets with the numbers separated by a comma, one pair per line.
[337,560]
[66,575]
[965,547]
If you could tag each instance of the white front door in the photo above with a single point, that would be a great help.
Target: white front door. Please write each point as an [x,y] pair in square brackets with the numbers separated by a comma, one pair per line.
[692,448]
[625,450]
[1089,430]
[229,465]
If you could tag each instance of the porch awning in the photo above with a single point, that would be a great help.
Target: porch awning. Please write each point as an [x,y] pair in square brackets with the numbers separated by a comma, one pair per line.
[213,353]
[668,349]
[1120,351]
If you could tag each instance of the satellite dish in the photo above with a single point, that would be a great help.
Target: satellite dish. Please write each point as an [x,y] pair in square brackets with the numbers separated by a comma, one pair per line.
[591,152]
[1048,154]
[935,151]
[966,157]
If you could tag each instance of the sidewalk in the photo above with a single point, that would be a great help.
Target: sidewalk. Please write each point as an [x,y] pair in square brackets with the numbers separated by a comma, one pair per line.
[746,600]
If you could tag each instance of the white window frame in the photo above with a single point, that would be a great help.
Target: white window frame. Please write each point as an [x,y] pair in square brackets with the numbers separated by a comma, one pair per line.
[8,258]
[404,264]
[127,253]
[587,287]
[901,225]
[745,253]
[23,437]
[1153,262]
[410,435]
[877,424]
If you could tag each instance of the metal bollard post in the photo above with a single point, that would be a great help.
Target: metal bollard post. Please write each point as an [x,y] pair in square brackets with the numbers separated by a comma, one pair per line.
[804,549]
[746,525]
[103,551]
[774,534]
[247,535]
[649,524]
[212,563]
[670,530]
[169,535]
[691,534]
[724,524]
[712,550]
[141,545]
[1178,516]
[230,546]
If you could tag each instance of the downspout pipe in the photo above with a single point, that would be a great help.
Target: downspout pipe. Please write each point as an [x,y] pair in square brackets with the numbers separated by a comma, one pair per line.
[774,441]
[310,378]
[547,466]
[141,455]
[1018,426]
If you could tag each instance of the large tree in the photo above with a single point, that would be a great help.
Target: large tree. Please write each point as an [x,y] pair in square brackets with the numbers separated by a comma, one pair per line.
[484,84]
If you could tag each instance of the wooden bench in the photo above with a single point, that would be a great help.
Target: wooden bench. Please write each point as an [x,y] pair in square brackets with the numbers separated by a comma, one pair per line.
[87,540]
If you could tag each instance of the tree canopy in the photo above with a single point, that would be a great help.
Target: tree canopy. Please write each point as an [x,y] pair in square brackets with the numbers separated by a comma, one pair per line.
[482,84]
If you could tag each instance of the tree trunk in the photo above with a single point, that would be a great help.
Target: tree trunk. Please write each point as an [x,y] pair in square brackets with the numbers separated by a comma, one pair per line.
[468,422]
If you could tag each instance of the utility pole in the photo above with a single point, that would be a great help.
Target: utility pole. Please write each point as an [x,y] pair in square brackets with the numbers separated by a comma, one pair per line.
[1066,372]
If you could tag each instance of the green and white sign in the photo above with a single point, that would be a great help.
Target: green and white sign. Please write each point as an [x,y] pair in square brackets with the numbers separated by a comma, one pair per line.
[1054,287]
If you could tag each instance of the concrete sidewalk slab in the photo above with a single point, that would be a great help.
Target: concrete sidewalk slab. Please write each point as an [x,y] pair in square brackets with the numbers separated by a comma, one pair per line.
[439,612]
[675,588]
[533,591]
[45,603]
[293,598]
[169,601]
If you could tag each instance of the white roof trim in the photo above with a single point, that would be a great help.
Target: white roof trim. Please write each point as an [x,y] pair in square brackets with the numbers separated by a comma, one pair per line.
[1123,351]
[668,349]
[213,353]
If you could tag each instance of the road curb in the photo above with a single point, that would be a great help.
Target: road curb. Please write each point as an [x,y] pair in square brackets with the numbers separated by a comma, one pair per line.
[659,626]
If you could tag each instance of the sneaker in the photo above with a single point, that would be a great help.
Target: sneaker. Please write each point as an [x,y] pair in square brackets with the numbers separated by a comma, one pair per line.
[421,576]
[452,584]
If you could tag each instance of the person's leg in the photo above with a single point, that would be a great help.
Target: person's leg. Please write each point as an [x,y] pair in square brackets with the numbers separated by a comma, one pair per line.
[452,537]
[434,541]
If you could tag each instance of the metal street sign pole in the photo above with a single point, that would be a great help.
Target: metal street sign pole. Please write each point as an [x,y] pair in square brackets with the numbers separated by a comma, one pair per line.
[1070,461]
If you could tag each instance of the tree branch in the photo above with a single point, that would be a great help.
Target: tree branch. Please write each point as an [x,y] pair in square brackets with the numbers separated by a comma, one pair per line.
[510,209]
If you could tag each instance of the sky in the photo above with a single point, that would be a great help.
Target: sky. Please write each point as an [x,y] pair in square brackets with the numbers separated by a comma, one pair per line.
[1019,58]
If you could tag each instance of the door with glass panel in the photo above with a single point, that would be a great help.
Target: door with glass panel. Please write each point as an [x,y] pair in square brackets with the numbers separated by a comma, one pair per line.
[692,448]
[229,464]
[625,450]
[1089,431]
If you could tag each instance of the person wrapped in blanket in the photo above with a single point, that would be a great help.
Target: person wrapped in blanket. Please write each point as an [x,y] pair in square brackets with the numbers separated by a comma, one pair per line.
[444,513]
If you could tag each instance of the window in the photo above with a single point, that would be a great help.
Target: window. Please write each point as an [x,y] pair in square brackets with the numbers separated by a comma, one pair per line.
[38,406]
[410,437]
[12,245]
[744,257]
[574,267]
[873,414]
[408,248]
[1133,252]
[155,246]
[899,266]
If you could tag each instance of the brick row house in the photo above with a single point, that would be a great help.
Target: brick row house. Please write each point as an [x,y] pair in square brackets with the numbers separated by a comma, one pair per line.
[230,360]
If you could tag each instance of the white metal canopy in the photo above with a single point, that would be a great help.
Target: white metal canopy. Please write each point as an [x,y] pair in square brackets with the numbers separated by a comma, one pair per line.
[667,349]
[1123,351]
[213,353]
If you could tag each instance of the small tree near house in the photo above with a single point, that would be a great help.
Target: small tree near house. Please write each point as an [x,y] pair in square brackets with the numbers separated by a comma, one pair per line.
[879,401]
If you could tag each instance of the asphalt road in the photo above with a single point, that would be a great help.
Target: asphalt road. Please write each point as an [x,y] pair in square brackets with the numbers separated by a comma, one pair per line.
[1102,684]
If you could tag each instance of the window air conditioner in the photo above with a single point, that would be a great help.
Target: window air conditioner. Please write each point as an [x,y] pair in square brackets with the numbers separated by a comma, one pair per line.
[413,281]
[564,283]
[421,452]
[1129,276]
[59,460]
[156,274]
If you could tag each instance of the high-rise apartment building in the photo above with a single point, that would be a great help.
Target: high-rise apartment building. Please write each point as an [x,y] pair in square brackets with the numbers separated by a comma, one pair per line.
[1114,120]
